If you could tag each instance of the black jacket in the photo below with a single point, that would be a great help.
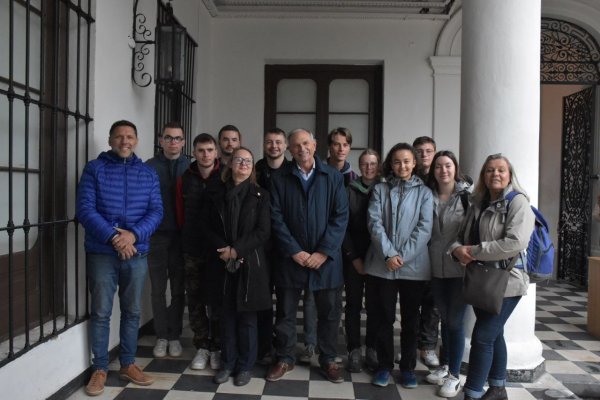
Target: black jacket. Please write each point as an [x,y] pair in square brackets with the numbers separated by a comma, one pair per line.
[357,239]
[253,231]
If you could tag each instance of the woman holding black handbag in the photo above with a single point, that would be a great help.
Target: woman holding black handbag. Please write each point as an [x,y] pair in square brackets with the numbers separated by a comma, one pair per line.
[493,235]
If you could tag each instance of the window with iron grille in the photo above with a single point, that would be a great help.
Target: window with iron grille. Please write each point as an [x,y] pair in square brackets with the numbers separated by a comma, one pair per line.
[45,123]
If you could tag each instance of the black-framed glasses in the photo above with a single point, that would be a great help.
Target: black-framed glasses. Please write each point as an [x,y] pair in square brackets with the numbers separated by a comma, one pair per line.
[176,139]
[242,161]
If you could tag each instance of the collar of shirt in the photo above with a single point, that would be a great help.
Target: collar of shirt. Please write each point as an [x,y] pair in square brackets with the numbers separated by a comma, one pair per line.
[306,175]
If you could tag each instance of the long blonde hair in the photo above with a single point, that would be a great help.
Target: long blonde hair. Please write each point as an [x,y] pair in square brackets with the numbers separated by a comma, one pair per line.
[481,192]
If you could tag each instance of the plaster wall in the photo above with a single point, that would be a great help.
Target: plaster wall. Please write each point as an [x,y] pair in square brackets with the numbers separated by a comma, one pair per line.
[113,97]
[241,48]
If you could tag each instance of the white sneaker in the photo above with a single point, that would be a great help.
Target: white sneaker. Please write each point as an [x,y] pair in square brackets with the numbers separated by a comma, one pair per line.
[215,360]
[429,358]
[175,348]
[450,388]
[200,359]
[438,375]
[160,348]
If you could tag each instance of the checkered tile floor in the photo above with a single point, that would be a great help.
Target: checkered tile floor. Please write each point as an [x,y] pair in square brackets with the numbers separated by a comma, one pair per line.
[572,364]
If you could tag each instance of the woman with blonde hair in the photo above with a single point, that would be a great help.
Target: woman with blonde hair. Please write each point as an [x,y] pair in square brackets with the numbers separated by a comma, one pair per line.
[494,232]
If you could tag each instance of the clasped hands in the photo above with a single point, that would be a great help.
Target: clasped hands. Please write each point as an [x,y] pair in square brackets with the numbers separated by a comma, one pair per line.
[312,261]
[463,254]
[227,253]
[123,244]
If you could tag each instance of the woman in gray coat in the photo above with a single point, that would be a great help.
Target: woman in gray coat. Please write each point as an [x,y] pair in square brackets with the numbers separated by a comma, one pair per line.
[450,203]
[494,231]
[397,263]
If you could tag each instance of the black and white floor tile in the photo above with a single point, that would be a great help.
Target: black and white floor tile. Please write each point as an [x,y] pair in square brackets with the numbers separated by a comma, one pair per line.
[572,367]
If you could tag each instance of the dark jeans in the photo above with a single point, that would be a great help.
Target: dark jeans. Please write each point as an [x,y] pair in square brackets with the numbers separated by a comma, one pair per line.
[238,334]
[204,319]
[264,320]
[355,285]
[429,321]
[329,311]
[488,356]
[410,298]
[447,294]
[165,263]
[310,315]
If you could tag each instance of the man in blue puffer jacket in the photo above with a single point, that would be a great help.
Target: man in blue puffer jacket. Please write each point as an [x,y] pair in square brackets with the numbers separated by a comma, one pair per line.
[119,205]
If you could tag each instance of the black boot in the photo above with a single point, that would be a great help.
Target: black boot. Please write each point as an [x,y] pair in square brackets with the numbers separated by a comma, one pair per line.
[495,393]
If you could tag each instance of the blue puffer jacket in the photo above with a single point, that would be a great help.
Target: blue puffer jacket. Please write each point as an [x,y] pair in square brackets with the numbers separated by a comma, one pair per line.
[118,193]
[313,221]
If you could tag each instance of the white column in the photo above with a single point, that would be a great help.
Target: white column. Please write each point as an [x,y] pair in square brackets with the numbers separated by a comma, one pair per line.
[500,103]
[500,86]
[446,102]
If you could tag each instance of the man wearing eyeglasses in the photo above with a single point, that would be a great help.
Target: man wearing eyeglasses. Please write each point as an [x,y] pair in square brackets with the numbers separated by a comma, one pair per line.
[429,321]
[165,260]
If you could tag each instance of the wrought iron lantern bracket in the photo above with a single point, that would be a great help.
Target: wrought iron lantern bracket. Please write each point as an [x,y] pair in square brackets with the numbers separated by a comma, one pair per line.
[140,41]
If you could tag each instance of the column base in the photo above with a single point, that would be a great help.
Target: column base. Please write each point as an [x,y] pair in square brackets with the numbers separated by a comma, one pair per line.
[516,375]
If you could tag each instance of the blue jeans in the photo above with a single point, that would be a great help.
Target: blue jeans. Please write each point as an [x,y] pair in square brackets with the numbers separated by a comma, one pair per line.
[447,293]
[105,272]
[329,309]
[488,357]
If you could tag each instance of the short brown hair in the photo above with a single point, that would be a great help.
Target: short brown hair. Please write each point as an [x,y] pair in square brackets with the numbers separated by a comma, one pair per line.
[345,132]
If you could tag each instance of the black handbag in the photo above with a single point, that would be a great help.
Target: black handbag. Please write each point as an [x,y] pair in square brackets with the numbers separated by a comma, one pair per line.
[484,286]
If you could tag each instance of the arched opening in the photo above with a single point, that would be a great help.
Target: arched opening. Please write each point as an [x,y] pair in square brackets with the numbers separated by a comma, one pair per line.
[569,76]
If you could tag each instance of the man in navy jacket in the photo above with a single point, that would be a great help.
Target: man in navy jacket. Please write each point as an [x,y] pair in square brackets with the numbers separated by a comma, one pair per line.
[309,212]
[119,205]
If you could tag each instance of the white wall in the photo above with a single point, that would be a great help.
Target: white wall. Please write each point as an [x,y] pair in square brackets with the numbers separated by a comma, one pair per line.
[242,47]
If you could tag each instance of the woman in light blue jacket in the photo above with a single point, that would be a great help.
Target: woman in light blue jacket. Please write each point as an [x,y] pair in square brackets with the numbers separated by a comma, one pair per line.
[450,203]
[400,220]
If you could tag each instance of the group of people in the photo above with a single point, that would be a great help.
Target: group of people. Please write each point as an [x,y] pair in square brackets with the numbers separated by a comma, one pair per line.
[227,233]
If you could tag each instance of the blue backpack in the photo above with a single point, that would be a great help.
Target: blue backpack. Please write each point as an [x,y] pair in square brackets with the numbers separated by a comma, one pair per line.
[540,251]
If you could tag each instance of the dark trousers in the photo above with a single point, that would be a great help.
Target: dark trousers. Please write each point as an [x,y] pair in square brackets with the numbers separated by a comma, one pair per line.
[204,319]
[355,286]
[429,321]
[238,334]
[387,293]
[165,263]
[329,311]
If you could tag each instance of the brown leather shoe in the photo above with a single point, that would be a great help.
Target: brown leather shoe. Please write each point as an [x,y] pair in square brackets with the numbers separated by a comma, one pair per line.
[134,374]
[332,373]
[277,371]
[95,386]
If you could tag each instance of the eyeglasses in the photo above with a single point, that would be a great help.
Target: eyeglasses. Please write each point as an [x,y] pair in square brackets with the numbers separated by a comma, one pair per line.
[242,161]
[176,139]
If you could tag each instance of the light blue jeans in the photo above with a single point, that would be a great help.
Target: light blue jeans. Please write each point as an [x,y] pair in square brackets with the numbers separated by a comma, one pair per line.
[105,272]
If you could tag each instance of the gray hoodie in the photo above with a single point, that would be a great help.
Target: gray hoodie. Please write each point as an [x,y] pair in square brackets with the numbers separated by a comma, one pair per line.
[446,223]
